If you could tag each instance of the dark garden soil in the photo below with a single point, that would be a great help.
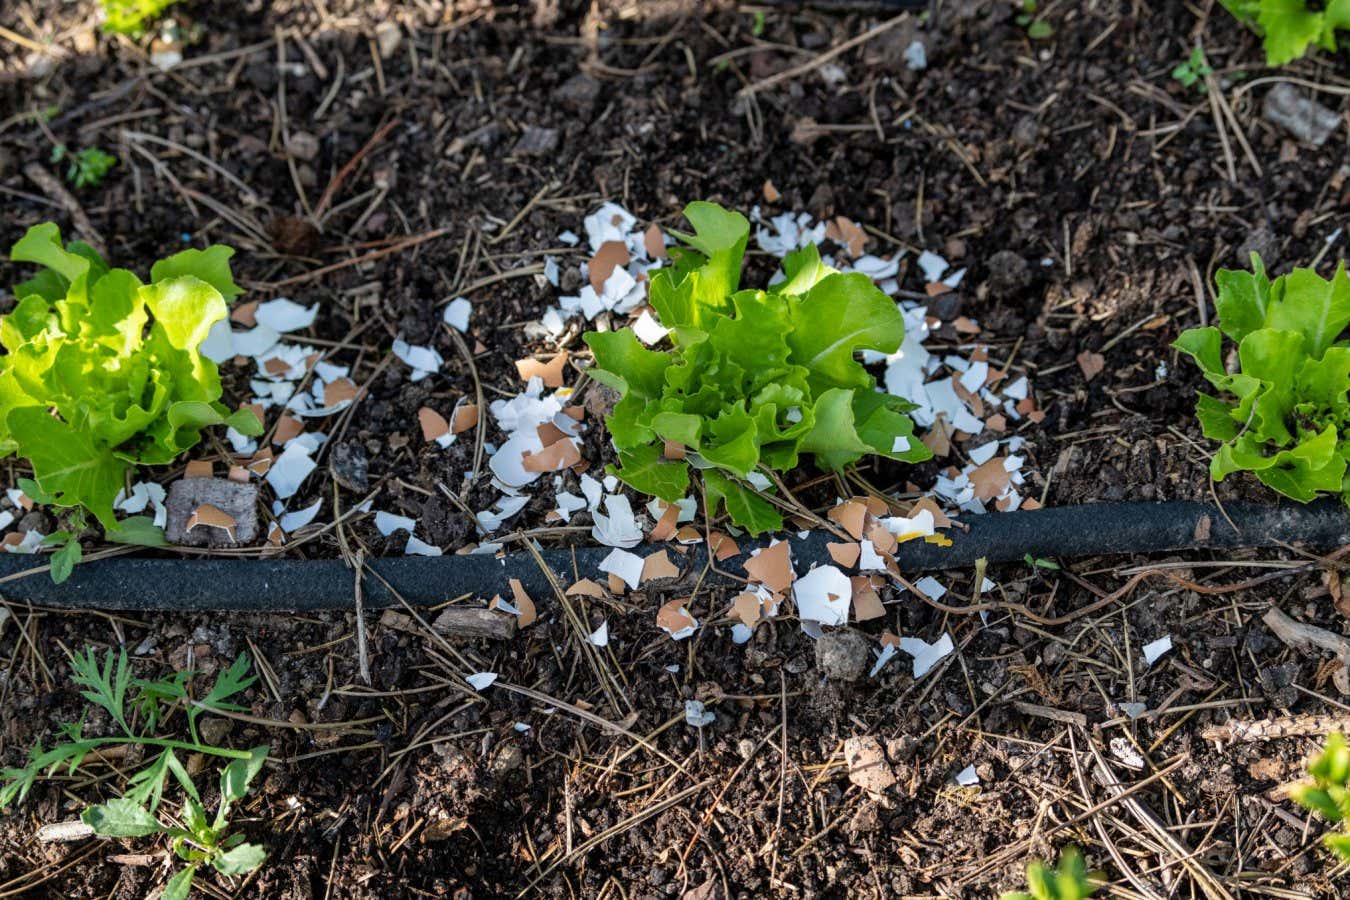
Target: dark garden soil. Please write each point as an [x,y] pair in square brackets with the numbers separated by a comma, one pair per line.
[1090,195]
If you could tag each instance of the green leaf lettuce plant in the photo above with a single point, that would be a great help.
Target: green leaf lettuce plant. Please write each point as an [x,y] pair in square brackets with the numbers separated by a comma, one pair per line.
[1284,412]
[1328,793]
[754,378]
[1290,27]
[102,371]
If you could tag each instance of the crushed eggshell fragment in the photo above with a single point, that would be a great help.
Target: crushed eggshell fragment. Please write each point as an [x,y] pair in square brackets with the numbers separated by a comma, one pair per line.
[611,255]
[481,680]
[561,454]
[434,426]
[675,619]
[927,655]
[463,418]
[845,555]
[628,567]
[550,372]
[866,601]
[210,516]
[199,468]
[658,565]
[772,566]
[747,607]
[823,595]
[523,603]
[586,588]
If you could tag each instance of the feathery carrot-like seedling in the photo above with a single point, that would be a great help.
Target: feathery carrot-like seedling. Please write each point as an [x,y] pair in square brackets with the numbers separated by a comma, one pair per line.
[138,708]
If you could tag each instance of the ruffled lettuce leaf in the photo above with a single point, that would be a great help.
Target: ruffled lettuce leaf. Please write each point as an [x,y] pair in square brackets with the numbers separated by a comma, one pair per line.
[753,378]
[1284,414]
[103,372]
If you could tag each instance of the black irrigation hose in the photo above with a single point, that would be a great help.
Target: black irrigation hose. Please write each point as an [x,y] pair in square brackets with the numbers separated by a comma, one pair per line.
[138,583]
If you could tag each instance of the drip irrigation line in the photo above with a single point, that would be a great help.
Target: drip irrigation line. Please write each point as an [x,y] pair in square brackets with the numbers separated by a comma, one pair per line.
[276,585]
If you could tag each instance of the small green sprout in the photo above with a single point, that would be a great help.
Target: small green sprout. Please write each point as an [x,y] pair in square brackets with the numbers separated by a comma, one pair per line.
[1194,70]
[138,708]
[1037,29]
[1071,881]
[1328,794]
[757,29]
[87,167]
[1038,562]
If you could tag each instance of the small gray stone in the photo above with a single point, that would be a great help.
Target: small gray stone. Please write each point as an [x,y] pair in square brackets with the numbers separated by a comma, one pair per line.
[486,136]
[302,145]
[868,767]
[1008,273]
[349,465]
[536,141]
[239,501]
[842,655]
[1304,118]
[214,730]
[578,93]
[1027,132]
[1263,242]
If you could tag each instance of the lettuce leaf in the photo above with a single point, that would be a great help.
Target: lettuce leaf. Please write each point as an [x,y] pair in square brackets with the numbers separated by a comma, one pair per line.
[103,371]
[1290,27]
[1284,415]
[753,378]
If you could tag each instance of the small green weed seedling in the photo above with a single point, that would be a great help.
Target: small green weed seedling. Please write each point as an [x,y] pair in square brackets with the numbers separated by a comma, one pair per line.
[1040,562]
[1071,881]
[1286,411]
[1194,70]
[755,377]
[85,168]
[137,709]
[1290,27]
[130,17]
[1037,29]
[1329,794]
[102,372]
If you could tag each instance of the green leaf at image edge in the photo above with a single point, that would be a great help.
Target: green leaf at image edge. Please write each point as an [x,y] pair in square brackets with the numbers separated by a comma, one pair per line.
[180,885]
[745,507]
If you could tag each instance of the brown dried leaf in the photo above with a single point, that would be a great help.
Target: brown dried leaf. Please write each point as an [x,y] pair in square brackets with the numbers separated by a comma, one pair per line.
[1091,363]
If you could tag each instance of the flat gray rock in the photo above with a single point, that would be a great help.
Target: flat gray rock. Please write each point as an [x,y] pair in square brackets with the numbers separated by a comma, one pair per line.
[536,141]
[1304,118]
[238,501]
